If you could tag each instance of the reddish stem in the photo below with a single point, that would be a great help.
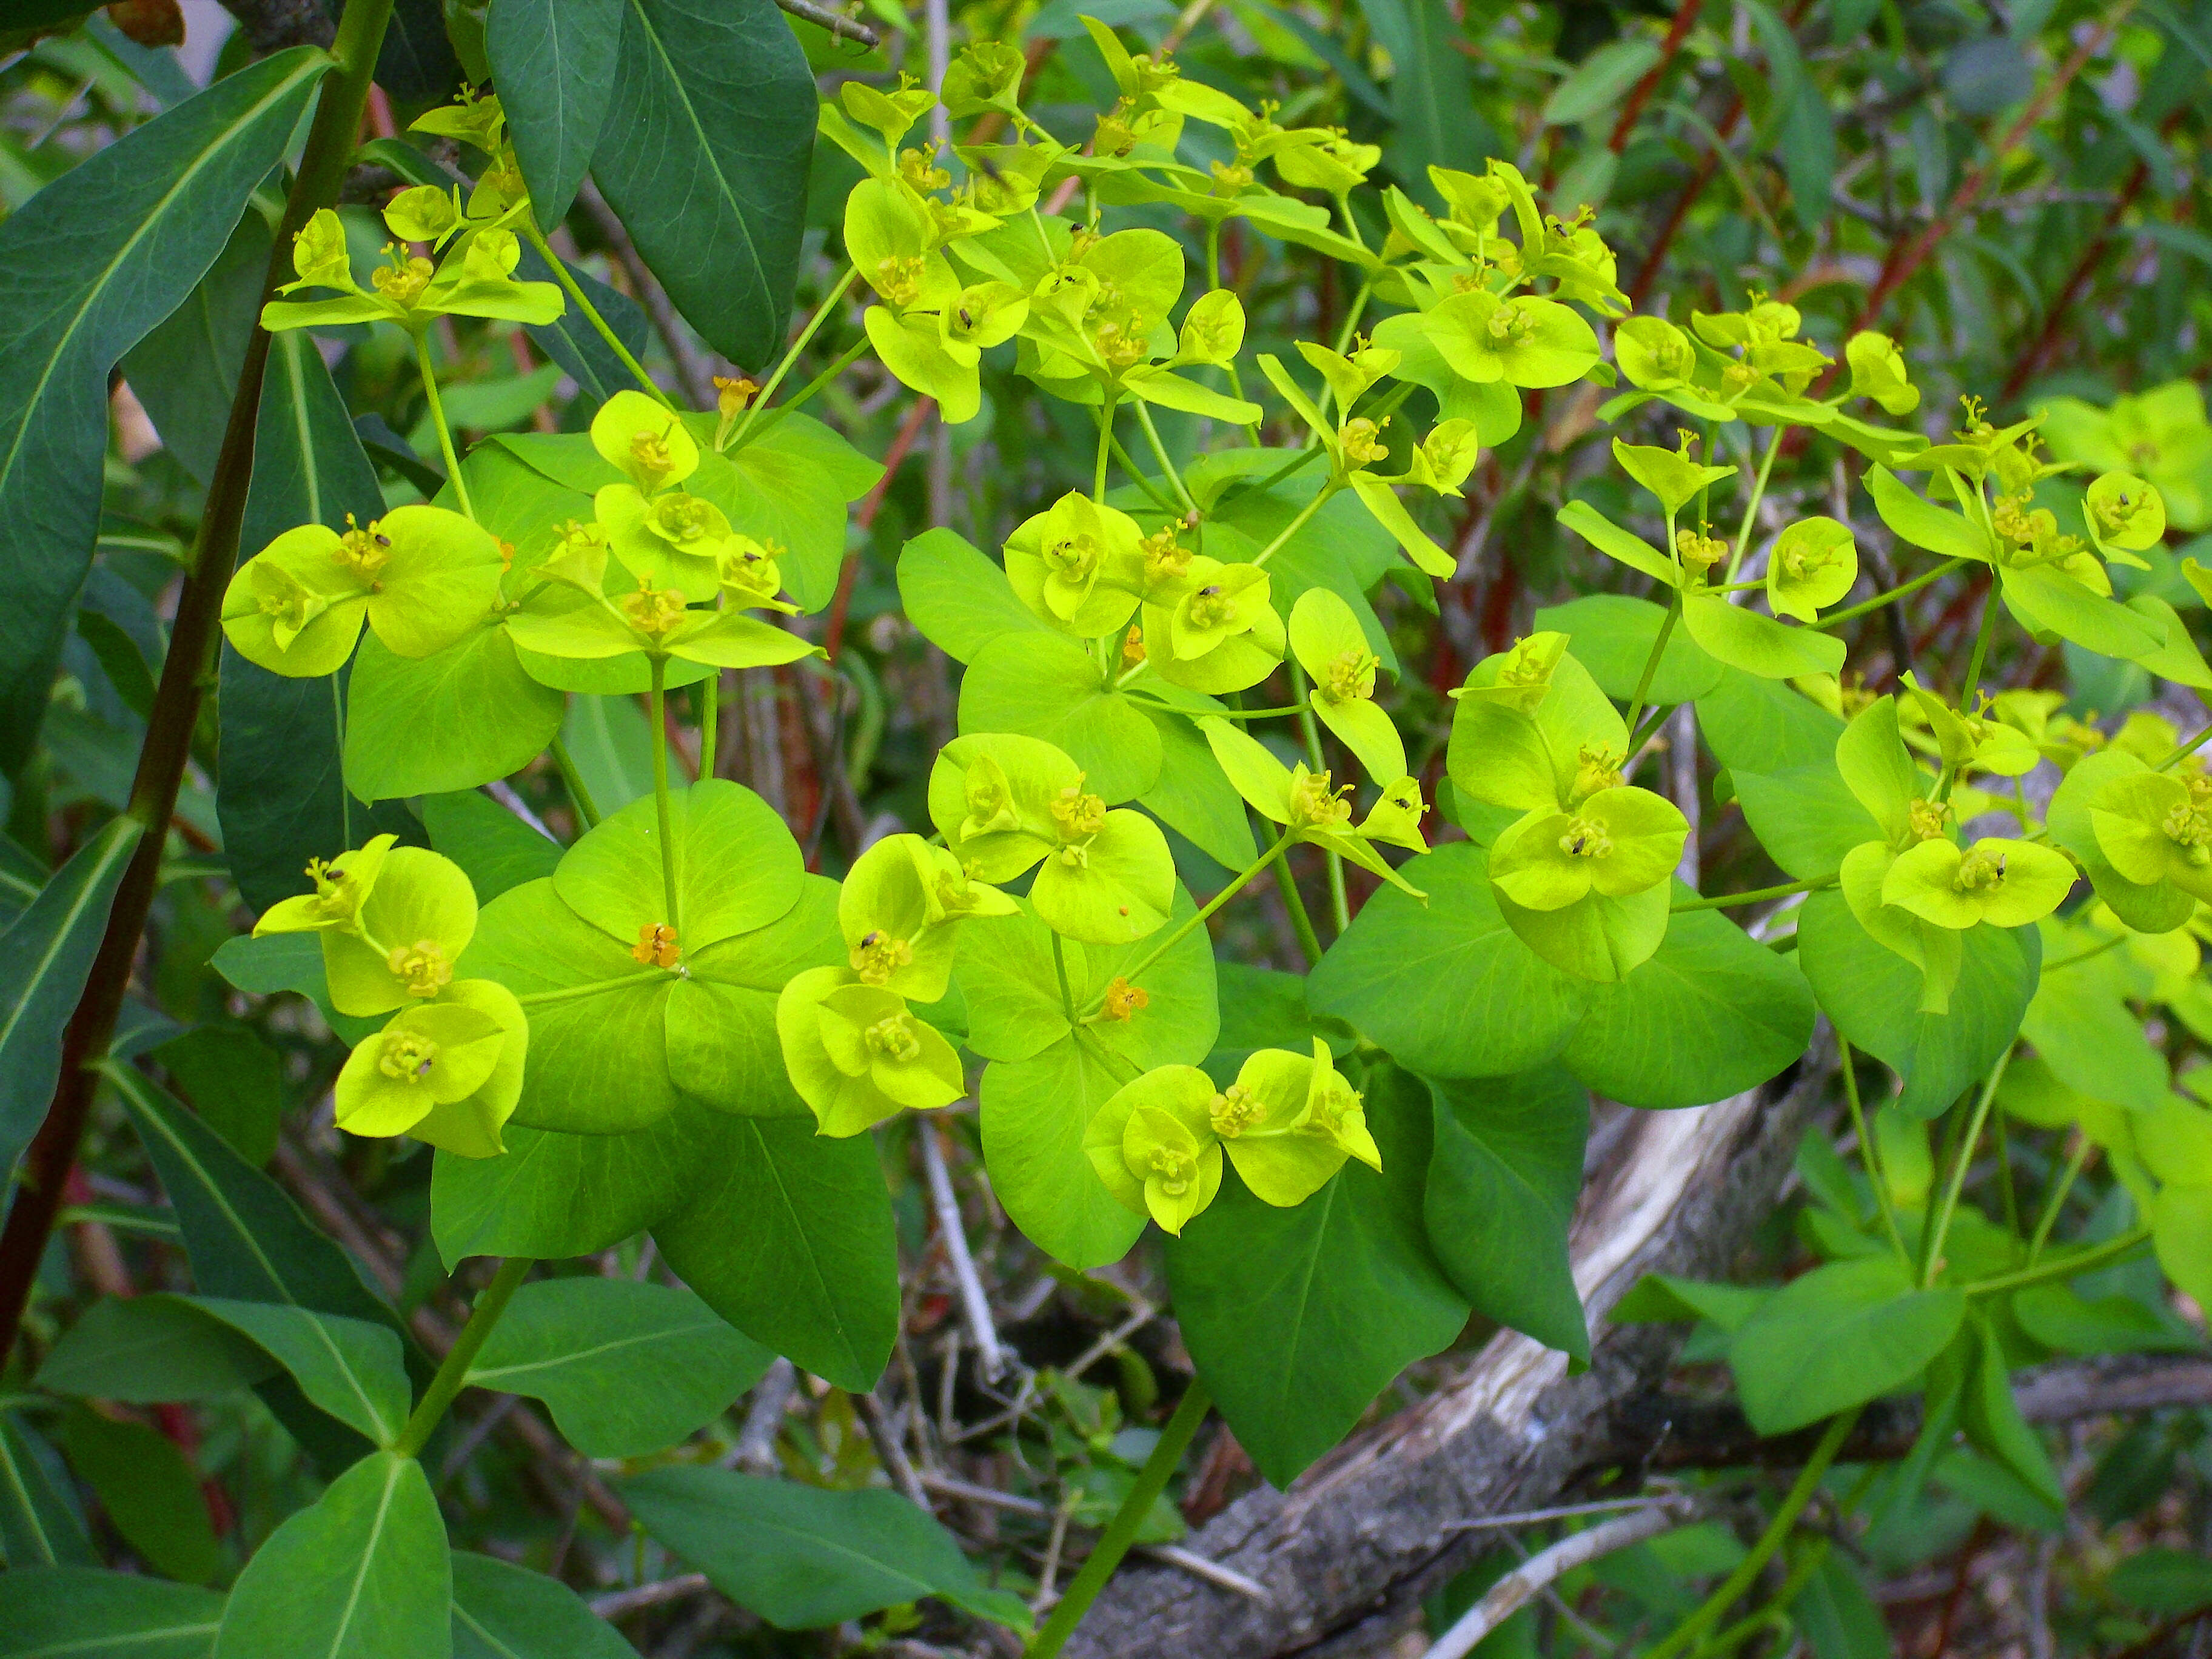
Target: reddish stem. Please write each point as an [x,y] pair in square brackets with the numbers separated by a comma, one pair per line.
[1686,17]
[833,638]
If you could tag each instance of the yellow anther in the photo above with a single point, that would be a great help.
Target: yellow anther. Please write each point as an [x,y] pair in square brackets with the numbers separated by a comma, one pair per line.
[1165,558]
[1074,558]
[1928,819]
[2189,827]
[363,552]
[1080,816]
[1585,838]
[649,450]
[734,397]
[406,1056]
[1234,1110]
[1210,608]
[1596,769]
[1361,440]
[421,968]
[878,955]
[403,281]
[1980,871]
[1350,676]
[893,1037]
[1133,646]
[1701,552]
[919,169]
[1314,805]
[654,611]
[899,279]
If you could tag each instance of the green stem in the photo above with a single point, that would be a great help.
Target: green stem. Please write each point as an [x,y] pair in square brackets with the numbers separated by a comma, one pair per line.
[438,419]
[1876,1177]
[1106,409]
[1296,463]
[2074,1163]
[1933,1238]
[710,717]
[851,355]
[582,301]
[454,1371]
[1309,728]
[2072,1267]
[1750,506]
[1891,597]
[1301,923]
[1205,911]
[1758,894]
[1748,1570]
[1138,478]
[1160,454]
[1652,722]
[2069,960]
[1773,1614]
[659,712]
[1060,968]
[2185,749]
[1121,1531]
[1981,638]
[571,779]
[1320,498]
[1344,335]
[1651,664]
[814,326]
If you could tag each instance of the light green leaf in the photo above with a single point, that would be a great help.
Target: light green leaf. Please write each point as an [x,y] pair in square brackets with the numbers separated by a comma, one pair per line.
[465,716]
[1034,1115]
[959,596]
[1744,639]
[1923,524]
[1610,539]
[1838,1337]
[1044,685]
[1611,634]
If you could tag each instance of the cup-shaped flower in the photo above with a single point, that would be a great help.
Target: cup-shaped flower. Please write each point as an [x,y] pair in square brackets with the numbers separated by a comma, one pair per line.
[1153,1144]
[1519,678]
[1332,647]
[1289,1122]
[1222,635]
[857,1055]
[1335,164]
[2007,883]
[392,920]
[655,622]
[1079,565]
[889,234]
[1669,474]
[1005,802]
[1310,808]
[1813,563]
[1523,341]
[1654,354]
[1878,372]
[645,440]
[673,539]
[895,909]
[2154,828]
[2125,514]
[478,281]
[1617,841]
[1212,329]
[422,576]
[447,1072]
[1977,741]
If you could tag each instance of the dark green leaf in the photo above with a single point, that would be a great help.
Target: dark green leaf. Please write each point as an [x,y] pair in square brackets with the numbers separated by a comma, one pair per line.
[1298,1318]
[505,1611]
[550,60]
[1713,1013]
[801,1557]
[627,1368]
[151,1494]
[88,267]
[235,1080]
[1839,1619]
[1502,1177]
[496,848]
[708,166]
[144,1350]
[364,1574]
[39,1525]
[1873,995]
[417,63]
[185,371]
[105,1615]
[2165,1584]
[350,1368]
[44,957]
[1447,987]
[571,340]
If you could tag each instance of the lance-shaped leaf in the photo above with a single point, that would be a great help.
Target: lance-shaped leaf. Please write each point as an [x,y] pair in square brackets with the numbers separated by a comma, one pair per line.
[552,61]
[505,1611]
[45,955]
[86,267]
[348,1367]
[1758,645]
[78,1609]
[1610,539]
[708,166]
[1924,525]
[362,1573]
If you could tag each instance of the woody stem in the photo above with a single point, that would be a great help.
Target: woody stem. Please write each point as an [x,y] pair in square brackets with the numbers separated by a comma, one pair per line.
[659,699]
[438,419]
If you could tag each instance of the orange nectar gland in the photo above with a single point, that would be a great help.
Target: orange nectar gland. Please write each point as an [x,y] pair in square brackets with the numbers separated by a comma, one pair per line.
[362,552]
[1124,999]
[878,955]
[1133,645]
[656,945]
[421,968]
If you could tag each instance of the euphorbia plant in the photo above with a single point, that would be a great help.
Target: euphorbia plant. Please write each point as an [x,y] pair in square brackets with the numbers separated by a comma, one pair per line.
[676,1025]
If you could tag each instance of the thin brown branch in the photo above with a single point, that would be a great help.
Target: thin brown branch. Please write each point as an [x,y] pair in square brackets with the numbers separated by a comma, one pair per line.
[848,28]
[1686,17]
